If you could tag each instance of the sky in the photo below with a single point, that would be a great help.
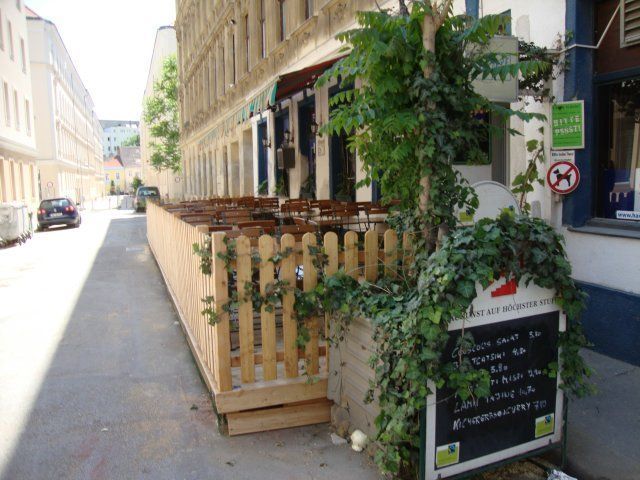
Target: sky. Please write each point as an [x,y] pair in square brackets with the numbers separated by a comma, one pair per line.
[110,44]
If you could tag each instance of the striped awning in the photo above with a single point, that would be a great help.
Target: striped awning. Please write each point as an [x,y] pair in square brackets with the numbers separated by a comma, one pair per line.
[255,104]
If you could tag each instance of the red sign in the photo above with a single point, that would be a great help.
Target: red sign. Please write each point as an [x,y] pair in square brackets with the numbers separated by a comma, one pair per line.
[563,177]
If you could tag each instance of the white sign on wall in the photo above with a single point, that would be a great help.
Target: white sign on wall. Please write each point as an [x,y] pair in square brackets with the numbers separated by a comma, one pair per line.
[497,90]
[563,156]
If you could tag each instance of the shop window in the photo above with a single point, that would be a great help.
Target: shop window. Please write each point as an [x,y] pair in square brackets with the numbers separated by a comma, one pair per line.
[618,189]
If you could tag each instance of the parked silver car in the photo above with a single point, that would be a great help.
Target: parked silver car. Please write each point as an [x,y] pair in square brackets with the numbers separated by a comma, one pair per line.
[142,195]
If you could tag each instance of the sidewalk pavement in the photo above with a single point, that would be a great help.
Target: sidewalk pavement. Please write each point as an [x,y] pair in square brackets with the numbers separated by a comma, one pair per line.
[604,429]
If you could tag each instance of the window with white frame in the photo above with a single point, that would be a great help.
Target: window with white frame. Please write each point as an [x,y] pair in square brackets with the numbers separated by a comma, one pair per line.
[23,56]
[17,109]
[1,32]
[27,116]
[10,33]
[7,105]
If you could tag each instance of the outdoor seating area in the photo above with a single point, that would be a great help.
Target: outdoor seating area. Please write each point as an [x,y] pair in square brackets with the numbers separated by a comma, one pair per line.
[259,377]
[267,215]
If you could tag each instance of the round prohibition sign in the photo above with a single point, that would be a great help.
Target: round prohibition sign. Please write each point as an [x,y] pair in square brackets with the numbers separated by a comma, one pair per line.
[563,177]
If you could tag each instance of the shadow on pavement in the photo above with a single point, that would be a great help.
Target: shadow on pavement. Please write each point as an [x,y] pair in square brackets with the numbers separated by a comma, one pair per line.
[122,397]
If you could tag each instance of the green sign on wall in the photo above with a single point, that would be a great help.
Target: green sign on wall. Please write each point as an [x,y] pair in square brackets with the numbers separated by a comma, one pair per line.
[567,121]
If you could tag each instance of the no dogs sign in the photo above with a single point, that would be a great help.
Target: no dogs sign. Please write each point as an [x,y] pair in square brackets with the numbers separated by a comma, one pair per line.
[563,177]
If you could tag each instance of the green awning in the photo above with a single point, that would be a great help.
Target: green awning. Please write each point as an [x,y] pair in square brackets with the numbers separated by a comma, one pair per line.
[258,103]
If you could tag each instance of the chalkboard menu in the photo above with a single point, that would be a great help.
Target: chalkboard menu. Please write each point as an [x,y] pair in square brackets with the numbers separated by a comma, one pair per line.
[524,410]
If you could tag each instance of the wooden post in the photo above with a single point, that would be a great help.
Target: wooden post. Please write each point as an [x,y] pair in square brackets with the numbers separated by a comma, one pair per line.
[289,325]
[351,254]
[391,253]
[331,250]
[245,310]
[309,283]
[267,318]
[220,286]
[371,256]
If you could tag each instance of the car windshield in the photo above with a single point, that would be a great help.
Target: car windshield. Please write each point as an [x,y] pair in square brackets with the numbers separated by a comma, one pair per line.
[149,192]
[55,203]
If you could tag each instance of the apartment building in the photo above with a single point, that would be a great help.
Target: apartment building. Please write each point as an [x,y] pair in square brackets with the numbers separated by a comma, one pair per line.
[168,182]
[18,171]
[68,132]
[115,133]
[247,72]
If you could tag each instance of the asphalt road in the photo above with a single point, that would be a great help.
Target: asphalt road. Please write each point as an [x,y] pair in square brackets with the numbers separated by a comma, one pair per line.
[97,381]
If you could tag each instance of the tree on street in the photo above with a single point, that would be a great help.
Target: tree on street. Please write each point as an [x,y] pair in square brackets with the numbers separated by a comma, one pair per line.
[161,115]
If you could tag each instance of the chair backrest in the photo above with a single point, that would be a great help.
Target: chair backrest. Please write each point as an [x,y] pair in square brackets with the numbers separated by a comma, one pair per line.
[198,220]
[270,203]
[235,216]
[257,223]
[220,228]
[298,231]
[300,221]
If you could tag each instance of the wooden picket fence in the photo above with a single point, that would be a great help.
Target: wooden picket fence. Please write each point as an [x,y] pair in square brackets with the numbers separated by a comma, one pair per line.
[259,378]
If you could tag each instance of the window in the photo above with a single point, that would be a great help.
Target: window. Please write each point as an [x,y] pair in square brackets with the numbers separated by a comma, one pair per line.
[23,56]
[629,23]
[233,58]
[282,6]
[1,33]
[18,5]
[308,9]
[10,33]
[505,28]
[27,116]
[7,105]
[263,31]
[224,73]
[247,43]
[117,175]
[618,192]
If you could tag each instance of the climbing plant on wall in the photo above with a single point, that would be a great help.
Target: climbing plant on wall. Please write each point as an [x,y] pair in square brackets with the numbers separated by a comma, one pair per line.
[411,113]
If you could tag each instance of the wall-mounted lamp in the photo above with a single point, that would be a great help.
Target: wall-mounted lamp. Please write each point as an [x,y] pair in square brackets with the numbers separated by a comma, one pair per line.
[314,127]
[266,143]
[232,21]
[288,137]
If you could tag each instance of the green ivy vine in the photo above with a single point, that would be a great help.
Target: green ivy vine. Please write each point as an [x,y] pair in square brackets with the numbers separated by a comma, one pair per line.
[406,127]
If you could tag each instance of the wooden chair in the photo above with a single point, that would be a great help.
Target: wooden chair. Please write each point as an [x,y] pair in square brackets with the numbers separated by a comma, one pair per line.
[257,223]
[268,227]
[298,231]
[220,228]
[232,217]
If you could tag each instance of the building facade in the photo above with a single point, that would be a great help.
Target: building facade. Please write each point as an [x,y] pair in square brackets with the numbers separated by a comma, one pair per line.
[115,133]
[68,132]
[114,178]
[131,161]
[169,183]
[247,70]
[600,219]
[18,170]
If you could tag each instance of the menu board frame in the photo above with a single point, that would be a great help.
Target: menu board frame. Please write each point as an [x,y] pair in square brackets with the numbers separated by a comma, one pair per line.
[494,306]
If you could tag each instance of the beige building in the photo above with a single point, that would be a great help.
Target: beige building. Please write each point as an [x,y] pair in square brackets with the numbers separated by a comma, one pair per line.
[247,70]
[68,132]
[132,163]
[169,183]
[18,172]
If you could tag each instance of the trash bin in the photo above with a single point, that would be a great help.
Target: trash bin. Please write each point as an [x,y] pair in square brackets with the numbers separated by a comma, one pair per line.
[14,223]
